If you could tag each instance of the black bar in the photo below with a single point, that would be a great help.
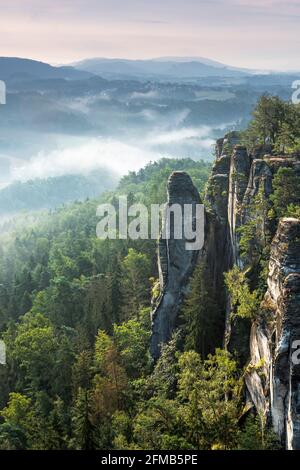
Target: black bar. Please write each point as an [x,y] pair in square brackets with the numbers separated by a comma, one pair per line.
[142,459]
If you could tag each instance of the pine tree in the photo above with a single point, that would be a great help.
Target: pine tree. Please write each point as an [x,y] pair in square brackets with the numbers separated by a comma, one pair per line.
[81,424]
[202,314]
[286,191]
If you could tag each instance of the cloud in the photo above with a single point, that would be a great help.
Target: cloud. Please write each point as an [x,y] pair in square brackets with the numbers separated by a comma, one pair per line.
[181,135]
[266,3]
[186,142]
[149,115]
[86,155]
[84,103]
[151,21]
[117,156]
[151,94]
[180,117]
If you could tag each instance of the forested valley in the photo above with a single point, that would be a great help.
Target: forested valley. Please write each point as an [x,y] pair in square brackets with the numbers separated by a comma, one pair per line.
[75,319]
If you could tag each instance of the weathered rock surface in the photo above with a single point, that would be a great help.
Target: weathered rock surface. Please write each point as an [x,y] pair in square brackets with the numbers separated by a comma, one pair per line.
[260,173]
[272,381]
[175,263]
[238,181]
[274,378]
[267,345]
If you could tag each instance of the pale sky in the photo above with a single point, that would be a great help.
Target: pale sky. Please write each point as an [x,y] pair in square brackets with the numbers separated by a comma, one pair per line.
[260,34]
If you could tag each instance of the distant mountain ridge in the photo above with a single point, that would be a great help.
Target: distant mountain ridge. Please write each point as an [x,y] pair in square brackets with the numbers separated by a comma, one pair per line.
[15,69]
[159,68]
[203,60]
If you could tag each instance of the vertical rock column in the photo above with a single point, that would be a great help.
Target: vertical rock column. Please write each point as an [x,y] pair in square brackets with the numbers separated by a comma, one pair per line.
[284,297]
[273,378]
[176,264]
[238,182]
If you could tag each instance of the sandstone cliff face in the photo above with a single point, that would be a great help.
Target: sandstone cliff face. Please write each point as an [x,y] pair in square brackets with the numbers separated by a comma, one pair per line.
[272,379]
[217,252]
[238,181]
[175,264]
[249,175]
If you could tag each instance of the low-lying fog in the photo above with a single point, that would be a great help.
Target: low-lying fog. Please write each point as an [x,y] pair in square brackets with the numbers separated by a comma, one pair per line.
[63,155]
[54,128]
[81,155]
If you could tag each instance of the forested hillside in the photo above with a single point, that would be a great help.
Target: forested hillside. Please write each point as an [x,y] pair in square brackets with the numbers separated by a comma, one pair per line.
[75,316]
[51,192]
[75,310]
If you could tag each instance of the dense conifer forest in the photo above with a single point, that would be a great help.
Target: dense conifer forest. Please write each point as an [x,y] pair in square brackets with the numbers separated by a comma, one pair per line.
[75,318]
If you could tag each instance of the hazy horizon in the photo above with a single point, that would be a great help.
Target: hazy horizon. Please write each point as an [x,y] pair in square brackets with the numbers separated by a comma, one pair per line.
[173,58]
[149,112]
[243,33]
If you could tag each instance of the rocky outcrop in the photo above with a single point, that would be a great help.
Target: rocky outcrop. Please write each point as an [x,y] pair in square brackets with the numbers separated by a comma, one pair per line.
[217,251]
[267,346]
[238,181]
[260,174]
[250,187]
[273,379]
[175,264]
[216,196]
